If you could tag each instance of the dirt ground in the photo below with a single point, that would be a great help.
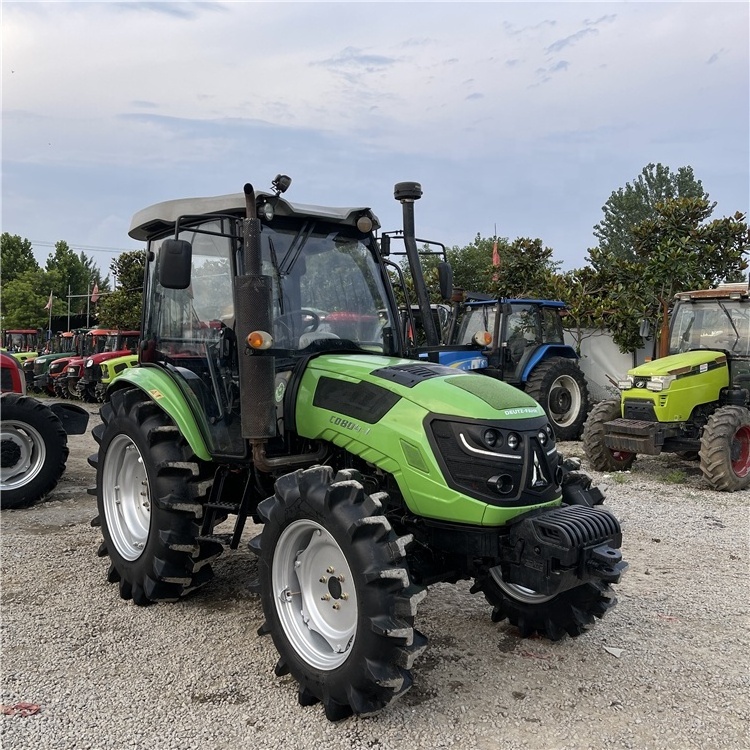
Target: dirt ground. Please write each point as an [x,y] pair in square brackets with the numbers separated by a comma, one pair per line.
[667,668]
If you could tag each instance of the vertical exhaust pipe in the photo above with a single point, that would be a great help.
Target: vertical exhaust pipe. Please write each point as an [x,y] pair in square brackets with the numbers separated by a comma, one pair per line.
[252,304]
[407,193]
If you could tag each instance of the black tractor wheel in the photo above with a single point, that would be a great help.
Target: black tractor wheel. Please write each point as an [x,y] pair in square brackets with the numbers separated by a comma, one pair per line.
[725,449]
[336,593]
[150,493]
[61,388]
[33,450]
[572,611]
[560,387]
[599,455]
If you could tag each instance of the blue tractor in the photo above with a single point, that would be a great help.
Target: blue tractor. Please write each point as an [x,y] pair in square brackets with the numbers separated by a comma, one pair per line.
[521,342]
[518,341]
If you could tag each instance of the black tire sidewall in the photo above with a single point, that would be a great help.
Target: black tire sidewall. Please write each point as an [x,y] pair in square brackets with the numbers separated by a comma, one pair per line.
[32,412]
[539,386]
[141,567]
[361,555]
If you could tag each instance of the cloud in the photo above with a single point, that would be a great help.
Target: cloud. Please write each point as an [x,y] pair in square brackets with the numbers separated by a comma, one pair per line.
[715,57]
[184,10]
[568,41]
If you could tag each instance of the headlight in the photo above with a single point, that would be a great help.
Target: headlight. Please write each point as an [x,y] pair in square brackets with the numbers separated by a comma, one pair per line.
[625,385]
[660,382]
[90,363]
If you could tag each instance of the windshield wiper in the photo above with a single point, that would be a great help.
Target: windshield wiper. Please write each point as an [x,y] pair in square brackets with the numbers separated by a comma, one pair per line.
[731,323]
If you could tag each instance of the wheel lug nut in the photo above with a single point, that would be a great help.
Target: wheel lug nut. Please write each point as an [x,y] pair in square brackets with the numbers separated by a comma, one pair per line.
[323,579]
[329,569]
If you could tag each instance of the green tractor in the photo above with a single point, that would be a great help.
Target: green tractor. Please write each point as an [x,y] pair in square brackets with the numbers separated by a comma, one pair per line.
[693,402]
[272,386]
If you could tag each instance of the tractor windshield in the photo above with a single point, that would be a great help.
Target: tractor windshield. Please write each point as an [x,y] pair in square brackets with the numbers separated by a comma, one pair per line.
[711,324]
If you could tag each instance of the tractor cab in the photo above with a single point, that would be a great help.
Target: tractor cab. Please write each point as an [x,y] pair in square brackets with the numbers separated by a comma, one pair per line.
[319,271]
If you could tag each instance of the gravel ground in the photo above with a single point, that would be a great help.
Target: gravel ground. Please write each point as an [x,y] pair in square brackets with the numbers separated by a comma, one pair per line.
[667,668]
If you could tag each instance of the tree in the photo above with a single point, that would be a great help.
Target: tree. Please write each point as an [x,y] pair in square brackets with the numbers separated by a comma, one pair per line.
[525,269]
[676,250]
[16,257]
[637,202]
[76,272]
[24,299]
[122,308]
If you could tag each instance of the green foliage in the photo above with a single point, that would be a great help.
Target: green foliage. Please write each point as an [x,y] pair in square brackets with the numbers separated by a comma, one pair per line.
[76,272]
[638,202]
[674,251]
[16,257]
[675,476]
[24,298]
[526,268]
[122,308]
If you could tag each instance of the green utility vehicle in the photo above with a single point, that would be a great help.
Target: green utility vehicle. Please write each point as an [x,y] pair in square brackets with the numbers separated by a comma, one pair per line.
[694,401]
[108,370]
[271,386]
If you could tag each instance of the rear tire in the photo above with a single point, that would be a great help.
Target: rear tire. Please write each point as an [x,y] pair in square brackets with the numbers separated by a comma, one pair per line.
[33,450]
[571,612]
[336,593]
[725,449]
[560,387]
[150,494]
[599,455]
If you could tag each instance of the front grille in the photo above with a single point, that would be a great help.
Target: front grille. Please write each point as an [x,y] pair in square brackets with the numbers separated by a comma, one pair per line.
[639,409]
[498,475]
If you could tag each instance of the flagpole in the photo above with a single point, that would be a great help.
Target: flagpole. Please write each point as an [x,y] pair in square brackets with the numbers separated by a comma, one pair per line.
[68,306]
[88,305]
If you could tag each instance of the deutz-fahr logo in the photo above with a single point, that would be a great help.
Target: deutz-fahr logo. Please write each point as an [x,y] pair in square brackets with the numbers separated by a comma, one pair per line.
[521,410]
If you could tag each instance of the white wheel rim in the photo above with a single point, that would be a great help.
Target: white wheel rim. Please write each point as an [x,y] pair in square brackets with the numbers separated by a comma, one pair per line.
[567,416]
[520,593]
[314,594]
[126,497]
[30,449]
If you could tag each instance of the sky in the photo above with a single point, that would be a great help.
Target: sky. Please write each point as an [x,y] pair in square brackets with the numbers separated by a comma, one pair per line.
[518,119]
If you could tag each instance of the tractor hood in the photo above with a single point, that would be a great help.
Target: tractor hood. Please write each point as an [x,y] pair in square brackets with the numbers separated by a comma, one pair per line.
[688,363]
[436,388]
[423,423]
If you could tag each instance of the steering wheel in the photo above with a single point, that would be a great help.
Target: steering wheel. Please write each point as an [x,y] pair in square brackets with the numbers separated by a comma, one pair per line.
[308,319]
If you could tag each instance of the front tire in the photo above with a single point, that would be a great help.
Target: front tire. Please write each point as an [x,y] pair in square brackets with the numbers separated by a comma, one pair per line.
[570,612]
[33,450]
[150,494]
[336,593]
[725,449]
[599,455]
[560,387]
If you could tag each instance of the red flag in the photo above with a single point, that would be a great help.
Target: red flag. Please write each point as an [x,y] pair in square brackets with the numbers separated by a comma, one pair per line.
[95,293]
[495,255]
[48,306]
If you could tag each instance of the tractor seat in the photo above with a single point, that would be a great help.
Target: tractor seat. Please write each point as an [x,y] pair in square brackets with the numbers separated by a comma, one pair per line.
[307,338]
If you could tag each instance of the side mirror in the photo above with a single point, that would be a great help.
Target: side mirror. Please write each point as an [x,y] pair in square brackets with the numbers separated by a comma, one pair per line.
[385,245]
[445,277]
[174,259]
[645,330]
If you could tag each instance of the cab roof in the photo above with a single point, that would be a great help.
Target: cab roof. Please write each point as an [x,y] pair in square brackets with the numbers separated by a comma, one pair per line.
[723,291]
[160,218]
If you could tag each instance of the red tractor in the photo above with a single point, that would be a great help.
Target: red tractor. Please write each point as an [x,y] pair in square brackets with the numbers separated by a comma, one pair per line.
[33,438]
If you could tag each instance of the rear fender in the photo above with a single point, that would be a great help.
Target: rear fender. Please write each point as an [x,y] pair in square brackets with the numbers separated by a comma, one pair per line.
[74,418]
[545,351]
[164,392]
